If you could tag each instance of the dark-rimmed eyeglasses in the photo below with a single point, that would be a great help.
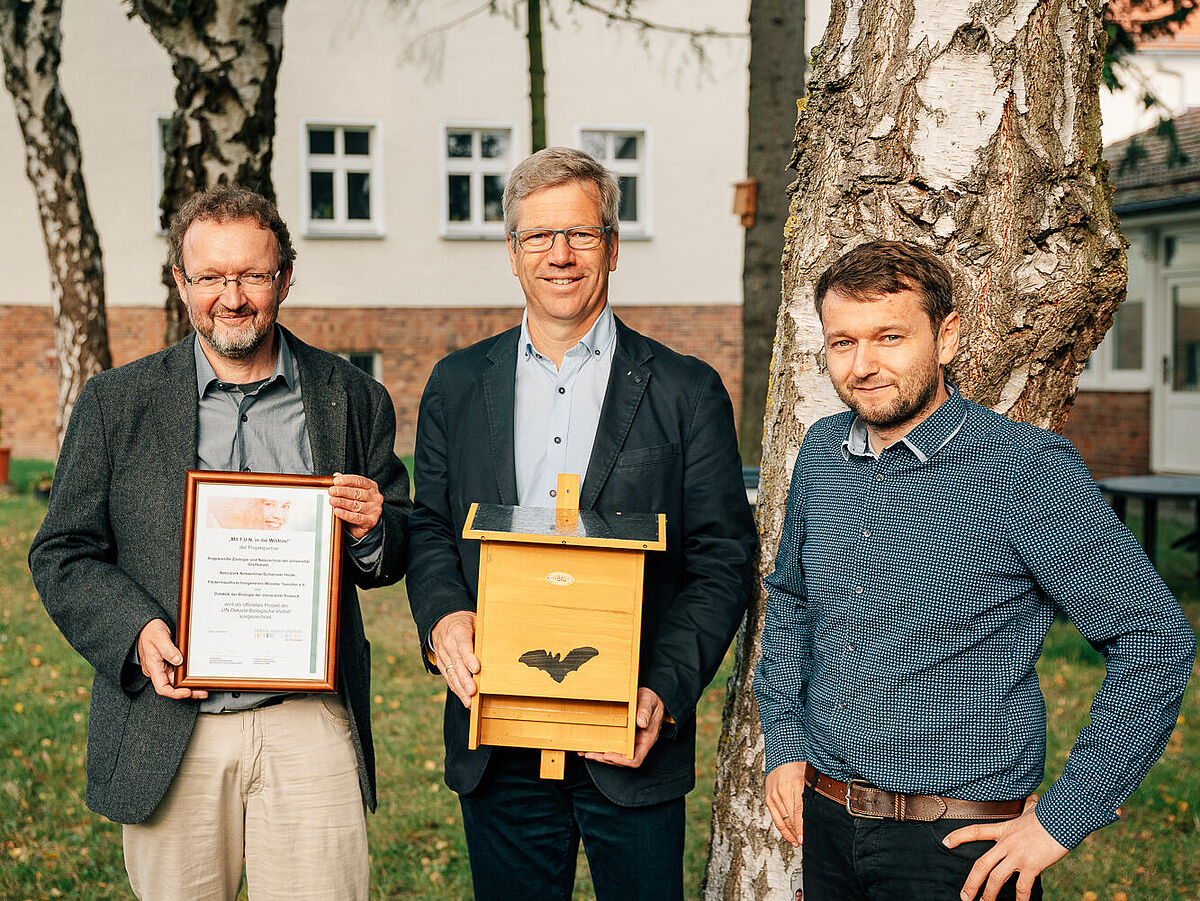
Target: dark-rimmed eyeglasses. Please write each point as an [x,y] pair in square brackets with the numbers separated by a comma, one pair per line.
[247,281]
[581,237]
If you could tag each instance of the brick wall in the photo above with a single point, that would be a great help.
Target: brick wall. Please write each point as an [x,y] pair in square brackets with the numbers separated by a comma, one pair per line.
[1111,429]
[410,342]
[29,371]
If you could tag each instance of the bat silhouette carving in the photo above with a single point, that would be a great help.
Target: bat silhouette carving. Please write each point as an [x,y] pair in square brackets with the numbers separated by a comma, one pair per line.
[556,667]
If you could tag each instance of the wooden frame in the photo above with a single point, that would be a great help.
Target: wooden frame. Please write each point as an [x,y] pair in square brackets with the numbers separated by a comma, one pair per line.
[281,583]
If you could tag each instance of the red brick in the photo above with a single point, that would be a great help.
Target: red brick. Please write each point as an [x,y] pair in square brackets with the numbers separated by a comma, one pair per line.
[1111,429]
[410,341]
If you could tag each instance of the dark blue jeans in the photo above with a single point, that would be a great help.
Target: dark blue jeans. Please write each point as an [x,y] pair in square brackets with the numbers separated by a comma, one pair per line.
[855,859]
[523,836]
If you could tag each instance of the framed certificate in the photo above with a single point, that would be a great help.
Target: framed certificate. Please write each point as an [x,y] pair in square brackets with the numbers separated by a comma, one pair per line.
[260,580]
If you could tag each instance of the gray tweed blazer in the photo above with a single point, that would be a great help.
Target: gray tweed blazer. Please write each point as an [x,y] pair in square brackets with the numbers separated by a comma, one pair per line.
[107,557]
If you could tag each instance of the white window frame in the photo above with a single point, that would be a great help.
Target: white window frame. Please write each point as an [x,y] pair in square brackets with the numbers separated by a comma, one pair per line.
[160,161]
[643,227]
[476,167]
[341,164]
[1100,374]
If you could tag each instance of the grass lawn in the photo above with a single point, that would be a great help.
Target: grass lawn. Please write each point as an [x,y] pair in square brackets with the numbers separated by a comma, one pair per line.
[52,846]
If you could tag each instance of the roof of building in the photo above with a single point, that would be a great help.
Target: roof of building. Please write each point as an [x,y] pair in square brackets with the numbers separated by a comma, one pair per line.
[1133,13]
[1143,180]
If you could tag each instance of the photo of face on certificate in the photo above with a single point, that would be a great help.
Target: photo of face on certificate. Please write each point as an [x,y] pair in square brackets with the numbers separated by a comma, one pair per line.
[260,578]
[281,513]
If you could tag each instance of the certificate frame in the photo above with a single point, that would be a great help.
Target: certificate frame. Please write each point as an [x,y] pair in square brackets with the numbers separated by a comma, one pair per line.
[286,599]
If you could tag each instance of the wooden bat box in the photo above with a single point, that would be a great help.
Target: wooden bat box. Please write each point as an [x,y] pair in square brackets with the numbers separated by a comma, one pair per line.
[558,625]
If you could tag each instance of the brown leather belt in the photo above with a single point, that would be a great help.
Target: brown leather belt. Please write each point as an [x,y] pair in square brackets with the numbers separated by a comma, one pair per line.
[861,799]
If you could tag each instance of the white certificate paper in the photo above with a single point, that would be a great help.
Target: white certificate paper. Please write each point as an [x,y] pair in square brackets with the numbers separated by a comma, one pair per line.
[260,572]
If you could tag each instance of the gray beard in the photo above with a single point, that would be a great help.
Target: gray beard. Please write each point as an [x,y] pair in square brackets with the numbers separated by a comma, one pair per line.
[243,345]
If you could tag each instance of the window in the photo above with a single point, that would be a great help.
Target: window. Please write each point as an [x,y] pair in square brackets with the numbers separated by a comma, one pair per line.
[162,123]
[624,152]
[369,361]
[341,184]
[1120,360]
[477,161]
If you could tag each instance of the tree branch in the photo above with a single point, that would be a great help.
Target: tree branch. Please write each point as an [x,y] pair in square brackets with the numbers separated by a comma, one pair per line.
[628,18]
[446,26]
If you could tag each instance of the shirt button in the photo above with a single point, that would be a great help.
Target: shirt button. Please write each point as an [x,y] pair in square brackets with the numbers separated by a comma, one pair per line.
[553,493]
[866,533]
[245,418]
[858,589]
[841,706]
[235,694]
[557,440]
[879,477]
[562,390]
[851,648]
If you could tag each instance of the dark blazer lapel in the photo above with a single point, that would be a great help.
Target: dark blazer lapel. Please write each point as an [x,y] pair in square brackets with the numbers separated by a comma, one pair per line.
[500,399]
[175,407]
[325,407]
[626,384]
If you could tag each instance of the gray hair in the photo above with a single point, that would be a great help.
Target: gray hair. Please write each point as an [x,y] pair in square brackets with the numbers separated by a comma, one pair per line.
[556,166]
[229,203]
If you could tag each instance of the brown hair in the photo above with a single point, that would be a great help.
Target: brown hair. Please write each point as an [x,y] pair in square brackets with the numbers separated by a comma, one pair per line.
[229,203]
[556,166]
[887,267]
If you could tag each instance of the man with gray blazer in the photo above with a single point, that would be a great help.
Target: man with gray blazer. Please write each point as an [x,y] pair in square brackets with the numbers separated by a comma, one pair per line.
[649,430]
[205,780]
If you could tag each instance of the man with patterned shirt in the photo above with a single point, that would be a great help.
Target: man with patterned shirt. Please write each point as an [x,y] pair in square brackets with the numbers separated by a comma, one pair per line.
[927,546]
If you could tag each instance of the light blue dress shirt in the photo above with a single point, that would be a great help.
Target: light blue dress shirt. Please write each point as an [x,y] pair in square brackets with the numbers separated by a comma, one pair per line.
[557,411]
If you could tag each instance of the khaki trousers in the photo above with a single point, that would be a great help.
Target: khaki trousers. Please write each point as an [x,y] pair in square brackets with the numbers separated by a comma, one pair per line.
[276,786]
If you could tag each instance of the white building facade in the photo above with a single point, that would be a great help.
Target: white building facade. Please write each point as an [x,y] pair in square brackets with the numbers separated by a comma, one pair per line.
[393,140]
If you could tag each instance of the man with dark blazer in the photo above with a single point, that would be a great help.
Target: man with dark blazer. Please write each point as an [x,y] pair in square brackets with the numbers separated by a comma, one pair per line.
[649,430]
[203,779]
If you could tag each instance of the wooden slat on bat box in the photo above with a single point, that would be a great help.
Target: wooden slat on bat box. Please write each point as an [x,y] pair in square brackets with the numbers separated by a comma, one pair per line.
[600,713]
[563,736]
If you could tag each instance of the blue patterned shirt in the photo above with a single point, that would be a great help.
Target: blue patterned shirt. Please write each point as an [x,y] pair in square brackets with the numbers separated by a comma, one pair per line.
[910,597]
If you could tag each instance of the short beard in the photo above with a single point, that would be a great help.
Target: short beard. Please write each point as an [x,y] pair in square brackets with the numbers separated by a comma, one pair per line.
[242,345]
[900,411]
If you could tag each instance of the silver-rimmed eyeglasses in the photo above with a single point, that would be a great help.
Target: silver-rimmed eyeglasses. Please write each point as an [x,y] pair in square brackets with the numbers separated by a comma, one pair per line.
[581,237]
[247,281]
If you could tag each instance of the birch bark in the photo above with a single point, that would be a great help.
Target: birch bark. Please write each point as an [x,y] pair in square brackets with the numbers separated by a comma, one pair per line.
[31,40]
[225,56]
[973,127]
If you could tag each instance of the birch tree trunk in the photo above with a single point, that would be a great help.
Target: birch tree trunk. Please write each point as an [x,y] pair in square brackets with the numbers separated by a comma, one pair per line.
[225,56]
[776,83]
[972,128]
[31,40]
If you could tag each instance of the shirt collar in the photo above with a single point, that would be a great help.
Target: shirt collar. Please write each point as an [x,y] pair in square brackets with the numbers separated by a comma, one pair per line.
[930,436]
[598,339]
[285,365]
